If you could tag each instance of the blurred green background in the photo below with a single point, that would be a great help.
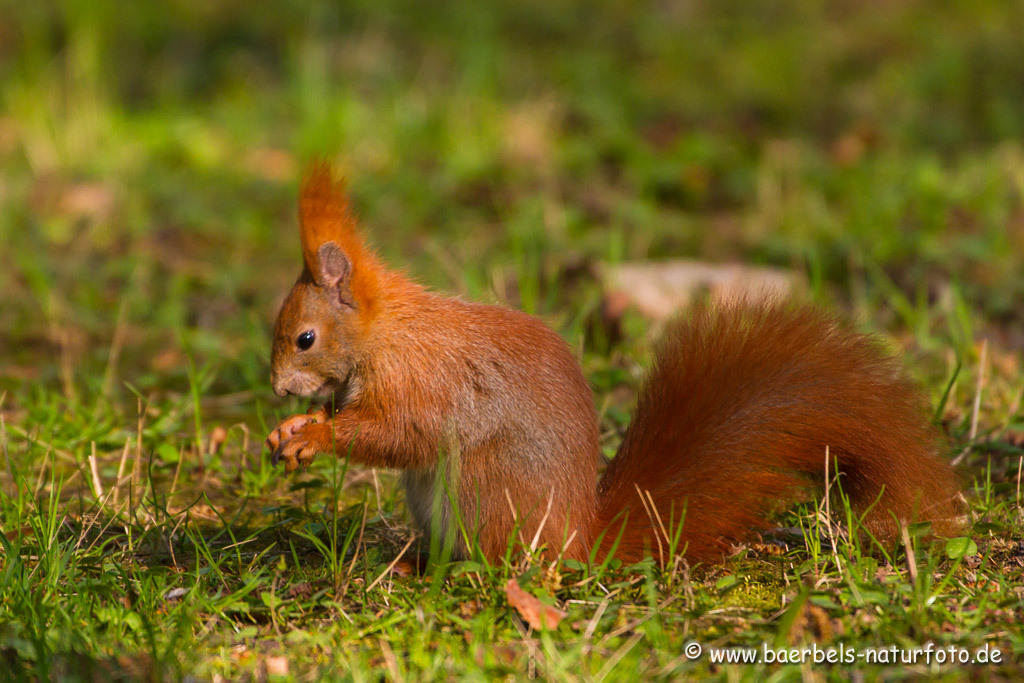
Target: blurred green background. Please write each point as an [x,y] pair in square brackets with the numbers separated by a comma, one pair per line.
[150,154]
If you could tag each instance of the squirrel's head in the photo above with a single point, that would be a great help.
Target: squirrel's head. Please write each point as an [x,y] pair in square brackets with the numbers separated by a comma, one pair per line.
[320,330]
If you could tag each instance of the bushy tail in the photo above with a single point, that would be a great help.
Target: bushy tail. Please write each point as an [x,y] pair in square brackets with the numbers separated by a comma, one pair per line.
[735,418]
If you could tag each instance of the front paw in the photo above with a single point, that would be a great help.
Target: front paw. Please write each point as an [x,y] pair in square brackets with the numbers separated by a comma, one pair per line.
[298,451]
[291,426]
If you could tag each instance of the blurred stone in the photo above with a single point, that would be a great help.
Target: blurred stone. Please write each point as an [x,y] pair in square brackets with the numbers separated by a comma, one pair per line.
[528,133]
[277,666]
[271,164]
[659,289]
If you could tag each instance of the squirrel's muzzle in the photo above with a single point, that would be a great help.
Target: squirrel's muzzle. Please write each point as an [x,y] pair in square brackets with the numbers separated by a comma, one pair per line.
[280,386]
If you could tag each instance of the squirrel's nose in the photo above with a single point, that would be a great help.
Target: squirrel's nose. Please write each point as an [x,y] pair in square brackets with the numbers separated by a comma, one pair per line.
[279,387]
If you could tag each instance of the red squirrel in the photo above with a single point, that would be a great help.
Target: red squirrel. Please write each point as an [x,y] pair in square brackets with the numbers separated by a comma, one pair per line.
[734,419]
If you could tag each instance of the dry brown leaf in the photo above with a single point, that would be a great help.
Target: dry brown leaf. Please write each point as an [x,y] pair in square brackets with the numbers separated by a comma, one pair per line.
[87,200]
[167,359]
[469,609]
[300,591]
[217,438]
[203,511]
[851,147]
[403,569]
[533,611]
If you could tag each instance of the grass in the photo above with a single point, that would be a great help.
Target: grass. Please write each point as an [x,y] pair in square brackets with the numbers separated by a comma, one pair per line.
[497,151]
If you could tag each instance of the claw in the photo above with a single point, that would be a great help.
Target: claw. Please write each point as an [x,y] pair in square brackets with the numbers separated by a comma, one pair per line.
[276,456]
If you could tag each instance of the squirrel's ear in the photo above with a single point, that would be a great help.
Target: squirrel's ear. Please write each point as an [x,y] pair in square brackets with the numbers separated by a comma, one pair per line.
[335,273]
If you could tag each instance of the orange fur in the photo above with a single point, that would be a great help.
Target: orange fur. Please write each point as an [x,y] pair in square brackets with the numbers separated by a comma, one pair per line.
[734,420]
[736,417]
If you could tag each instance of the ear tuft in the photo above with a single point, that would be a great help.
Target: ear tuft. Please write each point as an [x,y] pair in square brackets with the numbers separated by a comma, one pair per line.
[334,254]
[323,213]
[335,272]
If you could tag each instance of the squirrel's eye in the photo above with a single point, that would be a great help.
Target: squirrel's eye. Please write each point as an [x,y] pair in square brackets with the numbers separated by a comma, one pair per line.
[306,340]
